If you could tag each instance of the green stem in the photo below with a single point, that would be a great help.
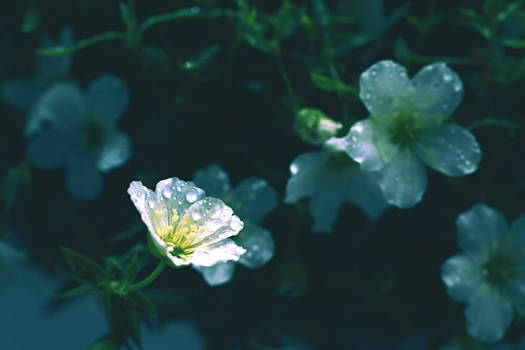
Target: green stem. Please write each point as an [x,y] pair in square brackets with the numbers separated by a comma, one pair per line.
[139,285]
[287,80]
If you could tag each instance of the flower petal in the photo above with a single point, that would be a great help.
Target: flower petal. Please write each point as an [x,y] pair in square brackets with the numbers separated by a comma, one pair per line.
[222,251]
[145,201]
[449,149]
[176,194]
[487,315]
[303,176]
[51,149]
[383,87]
[361,146]
[403,181]
[217,274]
[518,229]
[480,228]
[116,150]
[20,93]
[215,218]
[255,198]
[214,180]
[108,98]
[324,207]
[63,105]
[461,275]
[361,188]
[258,243]
[84,181]
[438,90]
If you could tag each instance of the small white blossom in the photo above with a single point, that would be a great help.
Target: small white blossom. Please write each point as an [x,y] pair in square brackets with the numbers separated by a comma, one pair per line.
[185,226]
[406,130]
[81,134]
[252,199]
[490,275]
[329,178]
[22,93]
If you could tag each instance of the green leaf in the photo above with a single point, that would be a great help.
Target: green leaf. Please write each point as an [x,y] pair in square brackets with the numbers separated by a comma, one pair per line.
[329,84]
[131,271]
[514,43]
[105,344]
[83,267]
[65,50]
[138,304]
[73,292]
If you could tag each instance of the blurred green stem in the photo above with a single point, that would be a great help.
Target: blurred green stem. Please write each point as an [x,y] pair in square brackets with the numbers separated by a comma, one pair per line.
[146,281]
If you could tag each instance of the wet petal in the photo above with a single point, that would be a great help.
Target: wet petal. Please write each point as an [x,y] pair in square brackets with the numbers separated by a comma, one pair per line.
[108,98]
[214,180]
[361,146]
[404,180]
[518,229]
[222,251]
[64,105]
[324,207]
[216,220]
[302,182]
[383,87]
[84,181]
[488,316]
[258,243]
[255,198]
[177,194]
[20,93]
[449,149]
[51,149]
[361,188]
[115,151]
[217,274]
[480,228]
[461,276]
[438,91]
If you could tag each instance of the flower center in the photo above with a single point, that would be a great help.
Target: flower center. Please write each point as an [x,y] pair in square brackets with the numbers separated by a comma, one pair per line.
[499,270]
[93,134]
[404,130]
[180,236]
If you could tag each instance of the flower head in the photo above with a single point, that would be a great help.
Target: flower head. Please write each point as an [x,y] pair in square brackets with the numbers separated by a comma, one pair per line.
[184,225]
[329,178]
[81,134]
[405,129]
[252,199]
[490,275]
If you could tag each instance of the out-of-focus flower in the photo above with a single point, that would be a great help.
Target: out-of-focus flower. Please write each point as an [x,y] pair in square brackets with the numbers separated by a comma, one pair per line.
[314,127]
[185,226]
[490,275]
[329,178]
[406,129]
[22,93]
[252,199]
[81,133]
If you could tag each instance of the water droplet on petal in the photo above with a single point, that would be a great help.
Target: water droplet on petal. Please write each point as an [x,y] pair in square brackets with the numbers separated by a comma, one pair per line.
[191,196]
[457,87]
[196,216]
[447,77]
[167,193]
[216,212]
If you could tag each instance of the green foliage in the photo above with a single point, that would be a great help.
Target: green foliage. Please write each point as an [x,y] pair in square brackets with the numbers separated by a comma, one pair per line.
[14,181]
[83,267]
[333,85]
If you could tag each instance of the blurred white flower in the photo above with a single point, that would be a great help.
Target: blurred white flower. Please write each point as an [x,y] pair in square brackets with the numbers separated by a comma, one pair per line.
[490,275]
[81,133]
[252,200]
[22,93]
[406,129]
[329,178]
[185,226]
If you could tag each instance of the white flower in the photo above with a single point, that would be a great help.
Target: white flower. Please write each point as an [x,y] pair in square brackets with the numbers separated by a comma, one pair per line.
[405,129]
[22,93]
[185,226]
[329,178]
[81,134]
[490,275]
[252,199]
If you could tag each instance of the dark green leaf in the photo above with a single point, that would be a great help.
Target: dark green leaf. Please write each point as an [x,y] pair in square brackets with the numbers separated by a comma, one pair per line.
[14,180]
[514,43]
[73,292]
[138,304]
[131,271]
[105,344]
[329,84]
[83,267]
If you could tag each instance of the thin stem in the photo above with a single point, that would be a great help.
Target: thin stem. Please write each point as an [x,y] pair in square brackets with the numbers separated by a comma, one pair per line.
[139,285]
[344,108]
[65,50]
[286,79]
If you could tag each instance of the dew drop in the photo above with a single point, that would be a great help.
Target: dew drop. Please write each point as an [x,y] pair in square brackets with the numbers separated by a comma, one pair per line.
[151,203]
[196,216]
[447,77]
[191,196]
[236,225]
[215,212]
[457,87]
[167,193]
